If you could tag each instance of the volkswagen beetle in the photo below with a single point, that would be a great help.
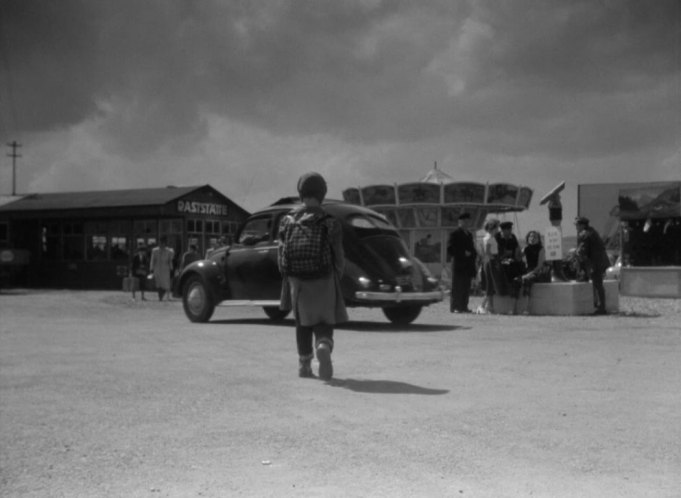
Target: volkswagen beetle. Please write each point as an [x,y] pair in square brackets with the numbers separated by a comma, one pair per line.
[379,271]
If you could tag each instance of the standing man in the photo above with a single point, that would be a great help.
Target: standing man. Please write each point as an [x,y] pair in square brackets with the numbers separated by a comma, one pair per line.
[591,253]
[510,257]
[461,250]
[311,259]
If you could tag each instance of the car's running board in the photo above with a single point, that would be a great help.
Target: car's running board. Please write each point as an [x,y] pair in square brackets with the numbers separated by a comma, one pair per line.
[248,302]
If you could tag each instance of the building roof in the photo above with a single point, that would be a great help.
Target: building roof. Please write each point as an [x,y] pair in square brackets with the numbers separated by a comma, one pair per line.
[6,199]
[98,199]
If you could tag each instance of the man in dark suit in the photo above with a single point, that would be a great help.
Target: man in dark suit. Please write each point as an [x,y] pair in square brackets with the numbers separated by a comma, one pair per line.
[461,250]
[592,254]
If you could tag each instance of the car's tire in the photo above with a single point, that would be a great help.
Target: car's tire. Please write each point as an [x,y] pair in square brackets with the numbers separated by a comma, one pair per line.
[274,313]
[402,315]
[197,300]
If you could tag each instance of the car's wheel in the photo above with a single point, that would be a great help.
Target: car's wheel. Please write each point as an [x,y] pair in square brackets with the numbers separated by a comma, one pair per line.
[402,315]
[275,313]
[197,301]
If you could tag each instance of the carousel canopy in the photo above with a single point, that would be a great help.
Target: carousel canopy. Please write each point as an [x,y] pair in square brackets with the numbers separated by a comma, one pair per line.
[437,200]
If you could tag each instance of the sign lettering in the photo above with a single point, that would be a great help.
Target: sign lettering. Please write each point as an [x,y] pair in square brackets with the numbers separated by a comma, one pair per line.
[553,244]
[207,208]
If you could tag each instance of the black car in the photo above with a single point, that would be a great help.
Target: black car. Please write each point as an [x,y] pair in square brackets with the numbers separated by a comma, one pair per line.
[379,271]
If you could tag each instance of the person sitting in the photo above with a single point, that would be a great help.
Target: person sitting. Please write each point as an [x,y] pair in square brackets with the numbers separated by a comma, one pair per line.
[538,270]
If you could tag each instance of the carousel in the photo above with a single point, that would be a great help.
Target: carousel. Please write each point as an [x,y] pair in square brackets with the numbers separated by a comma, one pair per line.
[426,211]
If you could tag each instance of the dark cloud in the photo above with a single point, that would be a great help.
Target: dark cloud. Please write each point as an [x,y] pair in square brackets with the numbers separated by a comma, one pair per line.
[563,77]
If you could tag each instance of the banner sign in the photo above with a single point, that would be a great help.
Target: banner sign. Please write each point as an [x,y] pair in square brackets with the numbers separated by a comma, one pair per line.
[416,193]
[650,201]
[470,193]
[502,193]
[378,194]
[207,208]
[351,195]
[553,244]
[524,197]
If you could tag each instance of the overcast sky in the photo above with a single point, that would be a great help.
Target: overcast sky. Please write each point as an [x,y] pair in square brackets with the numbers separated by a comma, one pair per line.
[247,95]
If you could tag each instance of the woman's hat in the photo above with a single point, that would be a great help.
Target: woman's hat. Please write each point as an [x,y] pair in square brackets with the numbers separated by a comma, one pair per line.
[312,185]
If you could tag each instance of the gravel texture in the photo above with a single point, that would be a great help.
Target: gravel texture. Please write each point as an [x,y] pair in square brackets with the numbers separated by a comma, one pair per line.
[102,396]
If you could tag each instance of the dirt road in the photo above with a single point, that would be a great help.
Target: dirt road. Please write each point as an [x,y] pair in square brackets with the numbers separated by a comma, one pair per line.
[104,397]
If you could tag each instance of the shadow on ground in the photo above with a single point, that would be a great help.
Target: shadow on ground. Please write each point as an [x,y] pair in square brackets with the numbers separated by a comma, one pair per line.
[357,326]
[383,387]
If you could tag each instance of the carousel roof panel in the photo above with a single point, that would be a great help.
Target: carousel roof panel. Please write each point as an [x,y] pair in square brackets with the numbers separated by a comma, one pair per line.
[495,197]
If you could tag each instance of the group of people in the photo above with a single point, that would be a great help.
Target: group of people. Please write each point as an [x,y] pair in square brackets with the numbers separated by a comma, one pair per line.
[507,270]
[159,267]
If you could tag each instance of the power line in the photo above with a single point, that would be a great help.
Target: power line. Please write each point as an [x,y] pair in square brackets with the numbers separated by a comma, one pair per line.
[14,145]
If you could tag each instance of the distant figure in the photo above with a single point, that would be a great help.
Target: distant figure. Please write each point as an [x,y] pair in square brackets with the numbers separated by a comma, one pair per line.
[191,255]
[162,268]
[491,268]
[139,268]
[593,256]
[213,245]
[510,258]
[461,250]
[311,259]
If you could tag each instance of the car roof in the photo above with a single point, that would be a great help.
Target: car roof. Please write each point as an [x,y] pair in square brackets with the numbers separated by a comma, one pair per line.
[333,206]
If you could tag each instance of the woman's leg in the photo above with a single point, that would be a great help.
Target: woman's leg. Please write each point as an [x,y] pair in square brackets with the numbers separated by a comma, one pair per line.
[324,347]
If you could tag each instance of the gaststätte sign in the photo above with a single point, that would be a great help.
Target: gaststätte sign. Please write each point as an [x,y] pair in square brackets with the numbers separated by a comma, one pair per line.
[209,208]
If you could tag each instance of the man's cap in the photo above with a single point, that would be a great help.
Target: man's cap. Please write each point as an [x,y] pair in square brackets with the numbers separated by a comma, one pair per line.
[506,225]
[581,220]
[465,216]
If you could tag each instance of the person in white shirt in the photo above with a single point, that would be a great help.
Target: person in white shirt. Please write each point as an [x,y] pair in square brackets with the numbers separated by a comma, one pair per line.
[490,266]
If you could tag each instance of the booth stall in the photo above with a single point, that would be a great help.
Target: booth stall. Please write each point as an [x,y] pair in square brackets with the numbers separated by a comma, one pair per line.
[641,225]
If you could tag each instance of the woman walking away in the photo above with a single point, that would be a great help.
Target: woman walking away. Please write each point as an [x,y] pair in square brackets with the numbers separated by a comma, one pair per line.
[162,258]
[311,260]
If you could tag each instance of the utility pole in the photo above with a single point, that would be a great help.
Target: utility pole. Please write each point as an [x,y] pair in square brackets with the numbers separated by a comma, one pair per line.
[14,157]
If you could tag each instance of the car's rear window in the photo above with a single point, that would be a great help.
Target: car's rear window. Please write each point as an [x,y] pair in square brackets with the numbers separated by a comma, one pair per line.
[369,222]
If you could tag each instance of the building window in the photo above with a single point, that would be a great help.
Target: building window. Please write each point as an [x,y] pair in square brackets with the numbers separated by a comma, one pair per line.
[74,240]
[119,231]
[96,239]
[145,232]
[195,226]
[4,235]
[212,227]
[51,242]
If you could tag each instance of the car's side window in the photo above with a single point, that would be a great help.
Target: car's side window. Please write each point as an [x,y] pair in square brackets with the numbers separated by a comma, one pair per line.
[256,230]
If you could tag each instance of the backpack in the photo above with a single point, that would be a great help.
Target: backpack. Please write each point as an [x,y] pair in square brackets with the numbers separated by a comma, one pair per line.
[305,251]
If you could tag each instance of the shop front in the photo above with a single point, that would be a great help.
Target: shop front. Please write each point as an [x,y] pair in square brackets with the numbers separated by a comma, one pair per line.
[85,240]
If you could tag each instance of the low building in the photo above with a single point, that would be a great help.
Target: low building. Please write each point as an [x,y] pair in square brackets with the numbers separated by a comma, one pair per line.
[84,240]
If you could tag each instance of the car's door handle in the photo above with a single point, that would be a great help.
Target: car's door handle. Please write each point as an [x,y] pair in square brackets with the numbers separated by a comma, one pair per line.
[263,251]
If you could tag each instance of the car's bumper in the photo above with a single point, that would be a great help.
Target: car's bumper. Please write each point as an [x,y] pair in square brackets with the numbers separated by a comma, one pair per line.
[399,296]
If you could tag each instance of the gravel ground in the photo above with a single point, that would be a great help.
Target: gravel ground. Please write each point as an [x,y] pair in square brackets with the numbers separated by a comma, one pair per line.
[101,396]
